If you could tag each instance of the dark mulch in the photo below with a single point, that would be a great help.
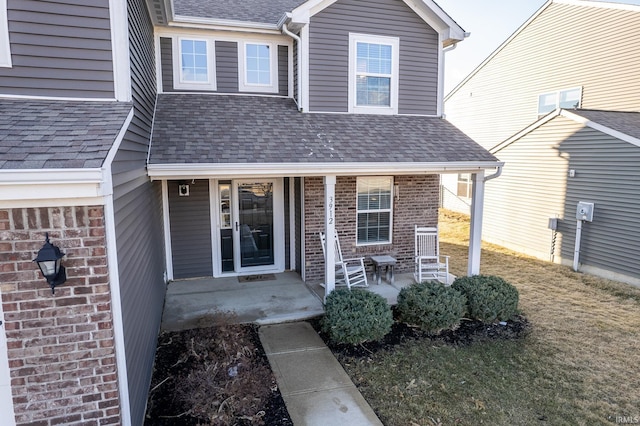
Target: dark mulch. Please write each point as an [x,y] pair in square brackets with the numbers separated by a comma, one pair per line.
[214,376]
[468,332]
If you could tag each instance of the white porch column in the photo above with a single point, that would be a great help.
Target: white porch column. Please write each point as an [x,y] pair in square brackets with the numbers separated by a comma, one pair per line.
[475,230]
[329,232]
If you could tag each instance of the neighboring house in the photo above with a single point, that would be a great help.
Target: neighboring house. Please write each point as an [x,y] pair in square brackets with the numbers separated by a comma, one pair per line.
[558,102]
[77,94]
[260,123]
[275,121]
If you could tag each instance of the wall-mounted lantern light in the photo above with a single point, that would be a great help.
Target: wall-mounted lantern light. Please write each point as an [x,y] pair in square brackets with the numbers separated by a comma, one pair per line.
[49,261]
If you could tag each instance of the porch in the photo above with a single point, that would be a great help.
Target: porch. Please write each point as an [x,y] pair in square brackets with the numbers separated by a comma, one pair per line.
[269,299]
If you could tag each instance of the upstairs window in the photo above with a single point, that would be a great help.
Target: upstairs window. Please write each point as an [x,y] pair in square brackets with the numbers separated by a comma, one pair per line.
[374,201]
[5,48]
[373,74]
[195,68]
[257,67]
[568,99]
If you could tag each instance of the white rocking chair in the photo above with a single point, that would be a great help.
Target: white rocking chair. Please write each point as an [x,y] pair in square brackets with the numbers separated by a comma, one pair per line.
[429,263]
[349,272]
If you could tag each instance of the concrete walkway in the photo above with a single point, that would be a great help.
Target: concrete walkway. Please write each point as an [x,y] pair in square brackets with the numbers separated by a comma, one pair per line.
[315,387]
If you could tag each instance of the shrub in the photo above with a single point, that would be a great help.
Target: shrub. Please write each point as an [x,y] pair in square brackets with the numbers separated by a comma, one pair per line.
[356,316]
[431,306]
[489,298]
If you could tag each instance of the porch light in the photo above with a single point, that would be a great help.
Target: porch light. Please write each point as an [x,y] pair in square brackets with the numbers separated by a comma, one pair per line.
[49,261]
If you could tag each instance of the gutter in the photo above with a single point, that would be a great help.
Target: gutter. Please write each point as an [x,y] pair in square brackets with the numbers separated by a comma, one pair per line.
[495,175]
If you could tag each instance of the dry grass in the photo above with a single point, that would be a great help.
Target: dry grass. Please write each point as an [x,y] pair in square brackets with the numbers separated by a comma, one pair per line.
[578,365]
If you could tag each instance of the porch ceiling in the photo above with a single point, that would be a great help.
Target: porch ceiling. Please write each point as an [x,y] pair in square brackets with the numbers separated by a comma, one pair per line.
[207,132]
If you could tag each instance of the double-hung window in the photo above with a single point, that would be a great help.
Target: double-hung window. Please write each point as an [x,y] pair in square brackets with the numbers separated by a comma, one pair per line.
[257,67]
[464,185]
[373,74]
[568,98]
[375,209]
[194,67]
[5,48]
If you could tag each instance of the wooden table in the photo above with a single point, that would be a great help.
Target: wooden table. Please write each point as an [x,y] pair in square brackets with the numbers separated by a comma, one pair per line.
[380,262]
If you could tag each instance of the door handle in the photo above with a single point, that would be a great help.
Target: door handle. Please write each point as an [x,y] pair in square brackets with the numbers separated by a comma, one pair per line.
[237,226]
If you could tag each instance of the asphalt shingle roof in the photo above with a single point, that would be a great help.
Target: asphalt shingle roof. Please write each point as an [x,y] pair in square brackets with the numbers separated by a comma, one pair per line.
[38,134]
[192,128]
[624,122]
[261,11]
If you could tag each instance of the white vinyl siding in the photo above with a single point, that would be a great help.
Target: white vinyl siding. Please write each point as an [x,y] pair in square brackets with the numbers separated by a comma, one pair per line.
[373,74]
[551,53]
[257,67]
[194,65]
[5,47]
[374,204]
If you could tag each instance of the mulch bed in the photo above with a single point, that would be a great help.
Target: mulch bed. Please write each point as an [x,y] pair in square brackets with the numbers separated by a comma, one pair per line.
[244,392]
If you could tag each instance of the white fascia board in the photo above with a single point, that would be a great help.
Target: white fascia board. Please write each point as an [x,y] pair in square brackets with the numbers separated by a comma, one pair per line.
[223,25]
[56,98]
[44,185]
[438,19]
[120,50]
[599,127]
[227,171]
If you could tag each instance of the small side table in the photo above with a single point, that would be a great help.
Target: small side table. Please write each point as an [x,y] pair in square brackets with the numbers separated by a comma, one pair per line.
[379,262]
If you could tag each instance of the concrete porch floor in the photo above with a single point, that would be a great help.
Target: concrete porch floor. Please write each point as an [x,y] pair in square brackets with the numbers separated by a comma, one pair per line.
[286,298]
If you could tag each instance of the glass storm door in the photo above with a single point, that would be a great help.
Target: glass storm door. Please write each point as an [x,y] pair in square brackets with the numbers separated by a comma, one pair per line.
[254,225]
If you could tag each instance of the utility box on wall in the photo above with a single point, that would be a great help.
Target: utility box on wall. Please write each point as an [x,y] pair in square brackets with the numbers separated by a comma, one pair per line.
[584,211]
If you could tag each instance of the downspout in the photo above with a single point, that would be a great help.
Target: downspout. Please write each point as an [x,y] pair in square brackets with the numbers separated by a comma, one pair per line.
[495,175]
[299,44]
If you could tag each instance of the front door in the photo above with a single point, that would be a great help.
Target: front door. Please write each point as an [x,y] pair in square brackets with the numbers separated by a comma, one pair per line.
[251,226]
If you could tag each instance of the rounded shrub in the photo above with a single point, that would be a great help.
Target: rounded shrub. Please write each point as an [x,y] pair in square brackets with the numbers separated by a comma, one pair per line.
[489,298]
[356,316]
[431,306]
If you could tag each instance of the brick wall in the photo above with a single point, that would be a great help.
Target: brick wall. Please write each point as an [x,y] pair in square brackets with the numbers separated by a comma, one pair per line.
[61,347]
[417,204]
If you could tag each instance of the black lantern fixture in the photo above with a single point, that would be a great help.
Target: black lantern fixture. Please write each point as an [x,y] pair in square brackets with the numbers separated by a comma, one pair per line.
[49,261]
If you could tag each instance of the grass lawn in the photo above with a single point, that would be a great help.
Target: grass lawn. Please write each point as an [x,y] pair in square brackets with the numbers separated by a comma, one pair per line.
[580,363]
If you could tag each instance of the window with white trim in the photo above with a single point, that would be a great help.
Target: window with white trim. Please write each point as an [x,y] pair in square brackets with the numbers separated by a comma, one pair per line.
[374,209]
[567,98]
[257,67]
[373,74]
[194,67]
[5,47]
[464,185]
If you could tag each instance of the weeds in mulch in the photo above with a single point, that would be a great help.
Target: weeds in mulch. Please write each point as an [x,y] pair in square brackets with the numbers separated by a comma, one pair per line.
[217,375]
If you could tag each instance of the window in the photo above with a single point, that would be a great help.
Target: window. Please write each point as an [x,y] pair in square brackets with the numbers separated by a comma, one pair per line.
[373,74]
[374,199]
[569,98]
[258,67]
[464,185]
[5,48]
[194,66]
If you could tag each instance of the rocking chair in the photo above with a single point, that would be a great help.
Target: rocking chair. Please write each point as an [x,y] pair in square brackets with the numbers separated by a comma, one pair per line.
[349,272]
[429,263]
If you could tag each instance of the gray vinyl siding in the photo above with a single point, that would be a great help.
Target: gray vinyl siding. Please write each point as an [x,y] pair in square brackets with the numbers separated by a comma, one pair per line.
[138,219]
[59,49]
[566,46]
[283,70]
[190,223]
[535,186]
[227,66]
[166,64]
[329,53]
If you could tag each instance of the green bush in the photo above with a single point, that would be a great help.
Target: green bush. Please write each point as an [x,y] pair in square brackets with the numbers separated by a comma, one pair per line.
[356,316]
[431,306]
[489,298]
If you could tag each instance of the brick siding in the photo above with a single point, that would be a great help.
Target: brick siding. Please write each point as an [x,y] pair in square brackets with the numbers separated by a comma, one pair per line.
[417,204]
[61,347]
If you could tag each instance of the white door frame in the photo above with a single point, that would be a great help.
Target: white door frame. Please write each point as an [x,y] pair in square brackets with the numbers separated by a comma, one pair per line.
[278,228]
[6,400]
